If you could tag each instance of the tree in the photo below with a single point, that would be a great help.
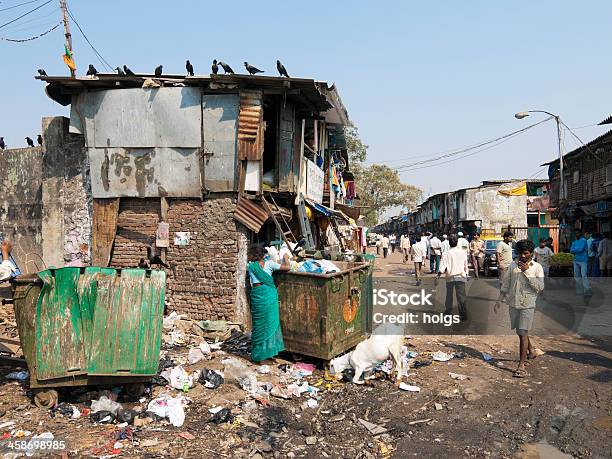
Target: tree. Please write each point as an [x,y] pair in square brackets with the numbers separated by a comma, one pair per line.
[381,188]
[378,186]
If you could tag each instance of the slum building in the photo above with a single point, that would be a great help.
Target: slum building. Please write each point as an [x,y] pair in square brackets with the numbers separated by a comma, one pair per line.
[195,166]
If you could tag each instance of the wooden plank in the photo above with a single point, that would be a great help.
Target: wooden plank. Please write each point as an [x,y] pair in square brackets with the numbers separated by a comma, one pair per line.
[104,230]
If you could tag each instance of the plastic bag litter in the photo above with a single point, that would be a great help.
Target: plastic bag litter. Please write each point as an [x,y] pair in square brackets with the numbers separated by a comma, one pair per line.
[166,406]
[102,416]
[263,369]
[171,318]
[33,446]
[299,389]
[105,404]
[198,353]
[235,369]
[409,388]
[18,375]
[440,356]
[126,416]
[178,378]
[487,357]
[222,416]
[211,379]
[68,410]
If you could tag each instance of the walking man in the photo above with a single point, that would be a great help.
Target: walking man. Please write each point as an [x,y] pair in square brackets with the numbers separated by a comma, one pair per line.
[454,264]
[435,245]
[581,259]
[419,253]
[604,252]
[385,245]
[462,242]
[392,241]
[405,247]
[477,253]
[592,252]
[504,255]
[520,289]
[445,246]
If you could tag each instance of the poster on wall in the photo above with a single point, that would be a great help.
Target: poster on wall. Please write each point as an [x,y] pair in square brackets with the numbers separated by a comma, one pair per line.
[182,238]
[162,235]
[315,179]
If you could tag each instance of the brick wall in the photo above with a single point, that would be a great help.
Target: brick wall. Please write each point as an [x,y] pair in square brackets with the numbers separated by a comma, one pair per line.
[136,226]
[203,282]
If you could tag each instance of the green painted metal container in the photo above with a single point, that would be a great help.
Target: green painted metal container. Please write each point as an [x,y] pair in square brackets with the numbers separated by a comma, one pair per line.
[81,326]
[324,315]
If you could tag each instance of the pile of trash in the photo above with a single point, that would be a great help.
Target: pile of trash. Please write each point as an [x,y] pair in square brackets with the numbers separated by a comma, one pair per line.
[307,265]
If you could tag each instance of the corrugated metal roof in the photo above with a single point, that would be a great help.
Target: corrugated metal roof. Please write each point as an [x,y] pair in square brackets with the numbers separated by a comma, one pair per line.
[608,120]
[250,125]
[310,93]
[250,214]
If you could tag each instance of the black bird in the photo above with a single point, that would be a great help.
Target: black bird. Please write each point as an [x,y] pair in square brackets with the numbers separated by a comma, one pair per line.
[281,69]
[91,71]
[39,140]
[120,72]
[189,68]
[154,258]
[41,72]
[30,142]
[2,144]
[215,67]
[158,71]
[252,70]
[226,68]
[128,72]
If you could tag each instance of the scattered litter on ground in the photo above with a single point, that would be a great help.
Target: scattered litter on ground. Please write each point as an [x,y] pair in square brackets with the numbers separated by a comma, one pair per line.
[178,378]
[487,357]
[105,404]
[222,416]
[166,406]
[440,356]
[374,429]
[211,379]
[18,375]
[409,388]
[457,376]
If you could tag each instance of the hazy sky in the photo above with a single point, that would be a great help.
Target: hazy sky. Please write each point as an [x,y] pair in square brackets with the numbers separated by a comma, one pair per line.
[418,78]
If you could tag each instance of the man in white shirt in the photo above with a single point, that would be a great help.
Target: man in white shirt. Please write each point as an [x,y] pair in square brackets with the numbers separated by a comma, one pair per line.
[405,247]
[542,255]
[435,252]
[520,289]
[462,242]
[504,255]
[385,245]
[419,253]
[604,252]
[445,246]
[454,263]
[392,241]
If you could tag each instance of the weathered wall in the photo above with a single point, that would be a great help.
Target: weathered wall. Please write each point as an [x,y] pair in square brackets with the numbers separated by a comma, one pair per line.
[204,279]
[45,199]
[21,204]
[496,211]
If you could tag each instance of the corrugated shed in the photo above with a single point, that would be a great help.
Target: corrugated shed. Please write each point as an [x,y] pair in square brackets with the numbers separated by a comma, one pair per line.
[250,125]
[608,120]
[250,214]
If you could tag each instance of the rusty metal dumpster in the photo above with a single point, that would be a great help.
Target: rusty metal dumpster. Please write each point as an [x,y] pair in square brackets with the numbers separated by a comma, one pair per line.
[323,315]
[81,326]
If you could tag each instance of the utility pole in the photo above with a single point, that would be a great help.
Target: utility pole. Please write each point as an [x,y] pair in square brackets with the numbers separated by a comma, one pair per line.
[561,172]
[67,31]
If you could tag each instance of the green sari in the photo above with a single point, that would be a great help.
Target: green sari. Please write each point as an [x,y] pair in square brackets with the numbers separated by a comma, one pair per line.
[266,337]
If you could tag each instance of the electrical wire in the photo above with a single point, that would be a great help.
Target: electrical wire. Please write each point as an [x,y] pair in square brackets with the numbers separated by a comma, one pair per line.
[22,24]
[22,40]
[17,6]
[493,142]
[100,58]
[25,14]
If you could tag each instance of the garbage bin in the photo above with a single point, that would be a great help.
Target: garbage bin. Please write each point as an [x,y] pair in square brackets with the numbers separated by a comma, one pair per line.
[323,315]
[81,326]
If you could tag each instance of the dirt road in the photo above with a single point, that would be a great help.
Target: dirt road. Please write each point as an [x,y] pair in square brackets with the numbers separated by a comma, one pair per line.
[563,407]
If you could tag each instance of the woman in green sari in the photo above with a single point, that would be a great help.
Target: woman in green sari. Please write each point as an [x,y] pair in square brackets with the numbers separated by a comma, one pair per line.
[266,337]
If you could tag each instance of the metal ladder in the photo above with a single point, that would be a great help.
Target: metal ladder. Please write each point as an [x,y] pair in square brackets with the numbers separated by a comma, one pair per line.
[283,227]
[309,244]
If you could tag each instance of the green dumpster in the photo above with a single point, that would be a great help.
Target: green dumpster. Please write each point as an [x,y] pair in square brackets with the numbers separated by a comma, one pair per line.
[81,326]
[323,315]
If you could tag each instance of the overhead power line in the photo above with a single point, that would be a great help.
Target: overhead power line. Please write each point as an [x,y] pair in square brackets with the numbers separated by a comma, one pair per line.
[17,6]
[493,142]
[100,58]
[25,14]
[22,40]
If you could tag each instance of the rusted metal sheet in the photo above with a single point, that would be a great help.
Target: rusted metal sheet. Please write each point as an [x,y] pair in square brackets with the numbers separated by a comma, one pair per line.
[250,214]
[220,120]
[104,229]
[325,315]
[250,126]
[145,172]
[140,118]
[126,331]
[286,177]
[59,328]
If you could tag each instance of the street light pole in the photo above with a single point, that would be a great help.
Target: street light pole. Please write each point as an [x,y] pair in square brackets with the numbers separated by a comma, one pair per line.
[522,115]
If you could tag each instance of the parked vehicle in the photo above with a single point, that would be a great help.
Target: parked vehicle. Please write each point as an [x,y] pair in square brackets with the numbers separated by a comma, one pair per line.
[489,265]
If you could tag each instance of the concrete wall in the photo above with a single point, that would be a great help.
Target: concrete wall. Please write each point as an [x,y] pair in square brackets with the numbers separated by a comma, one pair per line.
[44,199]
[496,211]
